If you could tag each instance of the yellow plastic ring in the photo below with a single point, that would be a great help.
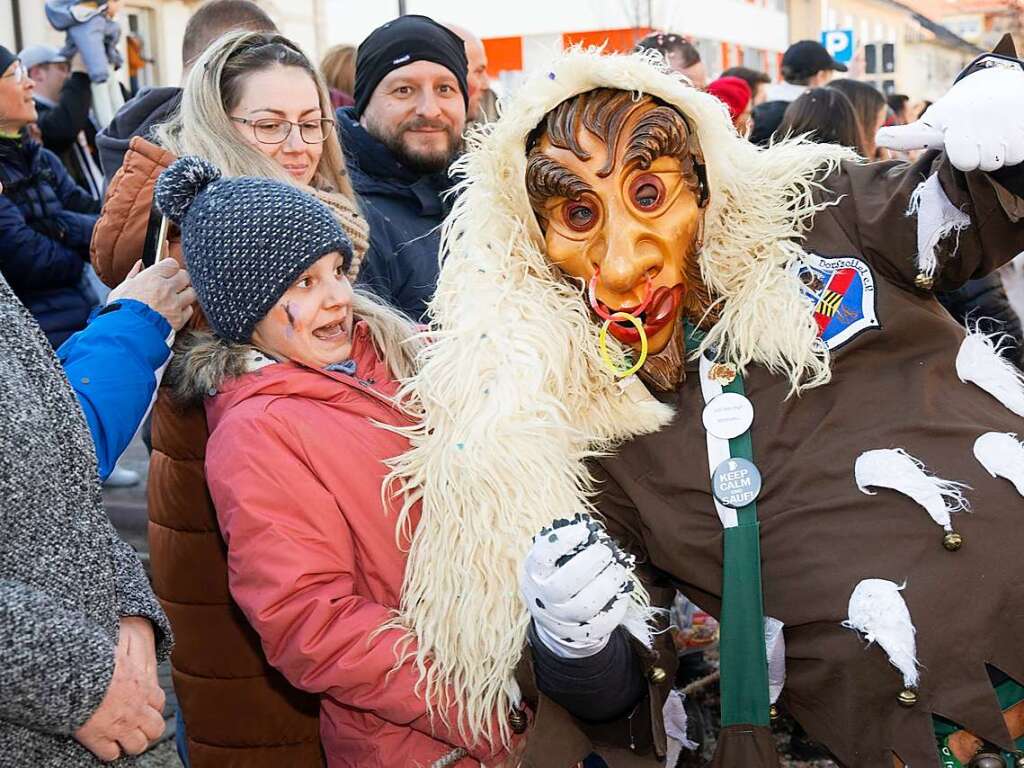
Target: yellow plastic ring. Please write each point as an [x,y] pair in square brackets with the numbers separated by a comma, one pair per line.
[603,344]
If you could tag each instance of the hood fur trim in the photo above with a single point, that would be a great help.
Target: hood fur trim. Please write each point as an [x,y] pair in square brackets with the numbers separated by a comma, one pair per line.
[202,362]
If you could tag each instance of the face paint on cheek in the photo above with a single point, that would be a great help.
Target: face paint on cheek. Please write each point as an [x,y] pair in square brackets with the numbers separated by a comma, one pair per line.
[289,310]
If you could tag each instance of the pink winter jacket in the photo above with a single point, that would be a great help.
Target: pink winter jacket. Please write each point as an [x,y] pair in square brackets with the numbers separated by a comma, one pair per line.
[295,468]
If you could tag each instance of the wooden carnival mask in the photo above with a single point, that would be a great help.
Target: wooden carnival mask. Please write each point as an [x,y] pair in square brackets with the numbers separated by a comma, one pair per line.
[618,187]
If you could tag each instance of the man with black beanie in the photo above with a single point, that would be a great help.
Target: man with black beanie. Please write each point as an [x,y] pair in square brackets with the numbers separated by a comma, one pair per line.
[399,139]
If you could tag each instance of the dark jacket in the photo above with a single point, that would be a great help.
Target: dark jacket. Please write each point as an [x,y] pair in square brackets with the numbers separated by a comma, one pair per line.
[405,211]
[61,123]
[984,301]
[47,222]
[150,108]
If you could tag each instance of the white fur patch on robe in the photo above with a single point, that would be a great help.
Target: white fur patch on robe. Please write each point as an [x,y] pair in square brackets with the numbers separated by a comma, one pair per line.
[980,363]
[878,611]
[1002,455]
[937,218]
[896,469]
[775,646]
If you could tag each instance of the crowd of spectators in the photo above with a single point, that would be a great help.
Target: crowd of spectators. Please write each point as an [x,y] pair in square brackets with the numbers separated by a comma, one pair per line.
[89,269]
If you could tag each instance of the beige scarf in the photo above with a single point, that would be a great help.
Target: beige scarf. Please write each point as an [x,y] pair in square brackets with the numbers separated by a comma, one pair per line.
[351,219]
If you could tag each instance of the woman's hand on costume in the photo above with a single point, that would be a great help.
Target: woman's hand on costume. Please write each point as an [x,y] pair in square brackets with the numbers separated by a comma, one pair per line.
[576,584]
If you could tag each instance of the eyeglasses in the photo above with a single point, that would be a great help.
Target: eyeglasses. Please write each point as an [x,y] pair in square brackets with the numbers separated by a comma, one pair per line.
[20,74]
[276,130]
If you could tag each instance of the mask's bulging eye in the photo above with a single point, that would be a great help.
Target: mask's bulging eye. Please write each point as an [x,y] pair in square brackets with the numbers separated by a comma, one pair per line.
[647,192]
[580,216]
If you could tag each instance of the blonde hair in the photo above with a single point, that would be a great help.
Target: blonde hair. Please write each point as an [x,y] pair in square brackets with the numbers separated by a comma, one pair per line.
[395,336]
[339,68]
[202,127]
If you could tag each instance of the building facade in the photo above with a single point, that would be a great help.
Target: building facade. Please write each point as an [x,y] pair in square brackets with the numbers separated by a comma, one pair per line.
[160,26]
[981,22]
[898,48]
[523,35]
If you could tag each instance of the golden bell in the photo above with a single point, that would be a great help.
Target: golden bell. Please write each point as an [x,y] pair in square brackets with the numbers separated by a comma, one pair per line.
[986,760]
[908,697]
[656,675]
[518,720]
[924,282]
[773,712]
[952,541]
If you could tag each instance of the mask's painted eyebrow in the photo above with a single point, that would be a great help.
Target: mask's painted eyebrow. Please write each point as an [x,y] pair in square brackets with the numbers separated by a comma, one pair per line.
[547,178]
[659,133]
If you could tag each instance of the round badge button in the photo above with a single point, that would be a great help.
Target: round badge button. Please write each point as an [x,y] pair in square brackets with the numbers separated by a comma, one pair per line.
[728,415]
[736,482]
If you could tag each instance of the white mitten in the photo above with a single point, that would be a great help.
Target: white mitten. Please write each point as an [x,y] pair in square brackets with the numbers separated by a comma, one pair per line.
[576,584]
[979,122]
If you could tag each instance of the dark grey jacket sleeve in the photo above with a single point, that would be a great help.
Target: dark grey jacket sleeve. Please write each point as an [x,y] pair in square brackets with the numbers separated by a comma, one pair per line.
[984,301]
[55,663]
[595,689]
[135,596]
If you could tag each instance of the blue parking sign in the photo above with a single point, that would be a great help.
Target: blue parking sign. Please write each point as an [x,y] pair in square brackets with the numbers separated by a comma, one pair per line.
[838,42]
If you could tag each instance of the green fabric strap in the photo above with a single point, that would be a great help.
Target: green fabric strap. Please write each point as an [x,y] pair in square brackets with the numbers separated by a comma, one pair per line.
[743,658]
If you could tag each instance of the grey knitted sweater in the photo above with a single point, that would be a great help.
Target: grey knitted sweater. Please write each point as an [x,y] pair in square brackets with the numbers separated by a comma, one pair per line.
[65,575]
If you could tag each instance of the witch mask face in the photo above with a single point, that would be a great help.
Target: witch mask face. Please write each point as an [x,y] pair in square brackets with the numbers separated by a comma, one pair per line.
[619,196]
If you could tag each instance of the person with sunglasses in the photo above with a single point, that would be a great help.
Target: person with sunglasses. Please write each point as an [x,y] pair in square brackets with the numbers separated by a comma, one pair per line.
[252,105]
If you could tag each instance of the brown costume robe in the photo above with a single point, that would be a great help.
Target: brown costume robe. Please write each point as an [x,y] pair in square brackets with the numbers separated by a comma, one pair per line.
[893,386]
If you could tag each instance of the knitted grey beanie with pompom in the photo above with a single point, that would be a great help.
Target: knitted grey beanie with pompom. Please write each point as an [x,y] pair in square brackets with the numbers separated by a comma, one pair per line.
[245,240]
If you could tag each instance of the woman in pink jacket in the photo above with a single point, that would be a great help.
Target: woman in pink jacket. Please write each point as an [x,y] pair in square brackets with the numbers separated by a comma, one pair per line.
[298,373]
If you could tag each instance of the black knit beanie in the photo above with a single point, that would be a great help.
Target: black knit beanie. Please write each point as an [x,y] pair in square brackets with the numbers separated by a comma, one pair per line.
[6,59]
[245,240]
[403,41]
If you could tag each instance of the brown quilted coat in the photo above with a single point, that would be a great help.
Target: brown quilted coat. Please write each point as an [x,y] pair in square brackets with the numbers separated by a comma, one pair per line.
[238,710]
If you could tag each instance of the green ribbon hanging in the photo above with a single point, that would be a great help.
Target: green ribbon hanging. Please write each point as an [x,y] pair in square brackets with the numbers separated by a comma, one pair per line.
[743,658]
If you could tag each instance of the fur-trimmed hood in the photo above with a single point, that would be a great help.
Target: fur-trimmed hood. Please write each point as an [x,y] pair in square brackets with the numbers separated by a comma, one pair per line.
[514,393]
[203,362]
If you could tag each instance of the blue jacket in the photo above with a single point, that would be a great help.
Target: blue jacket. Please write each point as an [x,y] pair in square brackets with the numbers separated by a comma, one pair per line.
[112,366]
[404,210]
[46,223]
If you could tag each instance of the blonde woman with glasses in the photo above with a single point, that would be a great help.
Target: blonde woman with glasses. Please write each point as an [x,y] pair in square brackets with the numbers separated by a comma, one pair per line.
[253,105]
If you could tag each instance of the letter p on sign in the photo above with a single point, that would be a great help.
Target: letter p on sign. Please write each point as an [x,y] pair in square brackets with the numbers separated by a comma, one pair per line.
[839,43]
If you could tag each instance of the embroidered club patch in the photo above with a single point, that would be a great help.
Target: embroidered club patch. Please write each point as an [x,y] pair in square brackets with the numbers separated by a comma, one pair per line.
[842,292]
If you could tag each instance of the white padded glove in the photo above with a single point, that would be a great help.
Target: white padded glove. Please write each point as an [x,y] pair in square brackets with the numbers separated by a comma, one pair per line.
[979,122]
[576,584]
